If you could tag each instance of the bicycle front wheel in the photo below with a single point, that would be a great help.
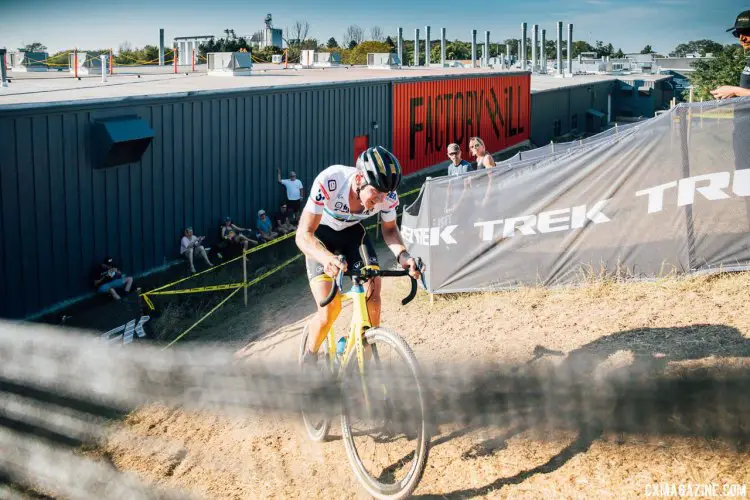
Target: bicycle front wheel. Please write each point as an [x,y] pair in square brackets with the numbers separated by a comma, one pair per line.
[383,420]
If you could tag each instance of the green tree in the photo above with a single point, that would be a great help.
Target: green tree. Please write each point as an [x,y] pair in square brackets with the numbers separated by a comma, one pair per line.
[513,46]
[352,44]
[309,44]
[390,42]
[723,69]
[407,58]
[647,50]
[33,47]
[231,44]
[619,54]
[454,51]
[701,47]
[579,46]
[358,54]
[332,43]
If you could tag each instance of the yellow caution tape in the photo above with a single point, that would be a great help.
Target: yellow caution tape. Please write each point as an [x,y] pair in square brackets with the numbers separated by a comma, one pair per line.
[238,288]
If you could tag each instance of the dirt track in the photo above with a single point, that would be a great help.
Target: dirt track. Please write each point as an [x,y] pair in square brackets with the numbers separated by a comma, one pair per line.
[679,323]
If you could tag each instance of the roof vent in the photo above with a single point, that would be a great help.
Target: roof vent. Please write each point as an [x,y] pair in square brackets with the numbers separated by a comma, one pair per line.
[121,140]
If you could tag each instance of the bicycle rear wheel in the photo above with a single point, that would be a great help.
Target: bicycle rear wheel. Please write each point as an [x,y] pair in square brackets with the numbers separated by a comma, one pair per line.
[316,423]
[387,440]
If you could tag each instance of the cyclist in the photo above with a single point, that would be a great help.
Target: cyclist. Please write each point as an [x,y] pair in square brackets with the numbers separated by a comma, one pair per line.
[331,223]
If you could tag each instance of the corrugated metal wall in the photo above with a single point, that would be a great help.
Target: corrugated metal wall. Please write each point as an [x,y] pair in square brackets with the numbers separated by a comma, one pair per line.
[212,156]
[561,104]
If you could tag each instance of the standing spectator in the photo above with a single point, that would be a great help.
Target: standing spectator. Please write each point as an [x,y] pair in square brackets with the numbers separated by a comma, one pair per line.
[190,245]
[264,226]
[740,142]
[741,30]
[233,233]
[484,159]
[295,191]
[107,279]
[282,221]
[458,165]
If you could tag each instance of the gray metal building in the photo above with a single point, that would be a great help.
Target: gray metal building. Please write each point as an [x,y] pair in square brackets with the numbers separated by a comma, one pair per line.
[573,109]
[211,156]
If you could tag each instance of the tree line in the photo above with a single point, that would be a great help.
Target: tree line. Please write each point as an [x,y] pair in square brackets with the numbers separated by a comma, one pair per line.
[355,44]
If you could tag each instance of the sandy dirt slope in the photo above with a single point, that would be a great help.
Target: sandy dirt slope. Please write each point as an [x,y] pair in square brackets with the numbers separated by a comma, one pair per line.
[681,324]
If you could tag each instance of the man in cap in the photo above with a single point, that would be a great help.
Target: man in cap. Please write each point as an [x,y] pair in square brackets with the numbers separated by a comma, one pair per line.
[107,279]
[740,30]
[457,166]
[265,226]
[295,190]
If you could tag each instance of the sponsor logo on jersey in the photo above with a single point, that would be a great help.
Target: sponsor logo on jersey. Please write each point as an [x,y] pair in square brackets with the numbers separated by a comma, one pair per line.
[332,184]
[324,192]
[340,206]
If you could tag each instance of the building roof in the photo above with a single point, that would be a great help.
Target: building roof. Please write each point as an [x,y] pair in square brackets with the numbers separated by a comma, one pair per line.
[192,37]
[59,88]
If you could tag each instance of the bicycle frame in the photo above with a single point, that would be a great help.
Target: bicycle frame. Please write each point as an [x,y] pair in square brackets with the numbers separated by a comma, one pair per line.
[354,345]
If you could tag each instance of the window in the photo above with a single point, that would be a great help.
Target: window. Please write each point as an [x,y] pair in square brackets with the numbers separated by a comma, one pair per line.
[574,122]
[557,128]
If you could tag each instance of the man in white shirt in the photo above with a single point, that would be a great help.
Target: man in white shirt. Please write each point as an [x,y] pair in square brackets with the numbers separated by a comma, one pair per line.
[192,244]
[295,191]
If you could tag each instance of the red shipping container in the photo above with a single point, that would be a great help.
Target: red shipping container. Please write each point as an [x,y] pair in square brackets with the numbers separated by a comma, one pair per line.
[429,115]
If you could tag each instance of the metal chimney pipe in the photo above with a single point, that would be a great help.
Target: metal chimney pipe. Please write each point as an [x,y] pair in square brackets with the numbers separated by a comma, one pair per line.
[416,47]
[534,47]
[486,53]
[570,49]
[3,74]
[442,47]
[161,46]
[507,52]
[473,48]
[544,52]
[523,52]
[400,46]
[559,48]
[427,46]
[518,54]
[103,59]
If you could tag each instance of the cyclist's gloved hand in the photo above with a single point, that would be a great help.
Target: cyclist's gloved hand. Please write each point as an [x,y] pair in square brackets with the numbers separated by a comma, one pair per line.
[335,265]
[408,262]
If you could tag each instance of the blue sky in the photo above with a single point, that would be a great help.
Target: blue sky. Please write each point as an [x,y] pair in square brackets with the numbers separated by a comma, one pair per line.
[630,25]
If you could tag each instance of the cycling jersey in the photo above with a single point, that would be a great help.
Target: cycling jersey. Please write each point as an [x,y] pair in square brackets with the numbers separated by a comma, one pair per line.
[329,196]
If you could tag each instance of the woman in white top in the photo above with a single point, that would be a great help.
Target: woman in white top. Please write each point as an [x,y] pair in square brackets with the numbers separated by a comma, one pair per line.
[484,159]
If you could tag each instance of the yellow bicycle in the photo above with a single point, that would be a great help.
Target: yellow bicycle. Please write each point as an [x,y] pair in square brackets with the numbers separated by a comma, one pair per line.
[384,402]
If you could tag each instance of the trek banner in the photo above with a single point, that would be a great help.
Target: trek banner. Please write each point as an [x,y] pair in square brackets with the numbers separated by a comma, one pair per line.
[669,194]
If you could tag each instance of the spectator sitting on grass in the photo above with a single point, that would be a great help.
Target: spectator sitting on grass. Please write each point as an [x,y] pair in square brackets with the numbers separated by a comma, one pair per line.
[107,279]
[233,233]
[282,220]
[264,226]
[191,244]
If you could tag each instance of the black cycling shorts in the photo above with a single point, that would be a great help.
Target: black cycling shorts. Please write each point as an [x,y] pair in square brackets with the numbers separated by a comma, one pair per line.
[345,242]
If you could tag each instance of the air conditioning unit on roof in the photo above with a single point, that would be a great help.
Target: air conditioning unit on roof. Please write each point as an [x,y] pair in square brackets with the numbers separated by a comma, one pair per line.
[383,61]
[229,63]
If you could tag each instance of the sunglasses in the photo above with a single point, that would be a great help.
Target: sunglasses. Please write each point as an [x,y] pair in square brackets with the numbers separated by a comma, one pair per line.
[452,154]
[738,33]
